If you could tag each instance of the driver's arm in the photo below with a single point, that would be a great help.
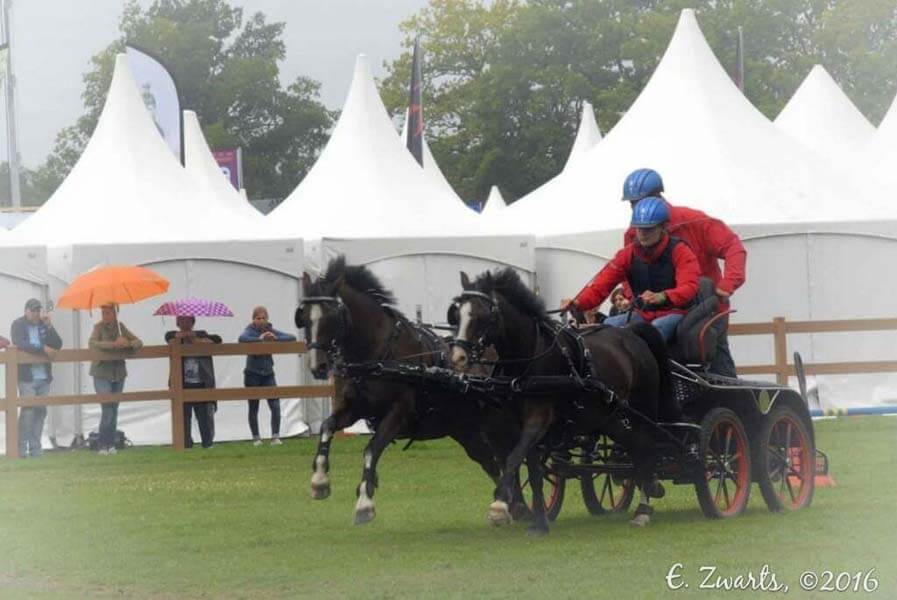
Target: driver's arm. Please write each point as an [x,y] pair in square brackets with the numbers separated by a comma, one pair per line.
[600,287]
[688,271]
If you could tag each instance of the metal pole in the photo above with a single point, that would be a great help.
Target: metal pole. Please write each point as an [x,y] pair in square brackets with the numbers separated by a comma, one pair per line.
[14,188]
[740,65]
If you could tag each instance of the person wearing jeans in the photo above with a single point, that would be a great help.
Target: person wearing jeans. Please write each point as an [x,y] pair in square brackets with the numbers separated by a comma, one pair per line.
[110,335]
[259,371]
[34,334]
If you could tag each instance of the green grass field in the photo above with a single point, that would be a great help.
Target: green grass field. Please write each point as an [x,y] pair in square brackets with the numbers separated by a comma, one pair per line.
[238,522]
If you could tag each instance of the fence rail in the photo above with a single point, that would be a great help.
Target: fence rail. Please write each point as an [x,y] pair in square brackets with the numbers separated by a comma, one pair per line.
[11,358]
[174,393]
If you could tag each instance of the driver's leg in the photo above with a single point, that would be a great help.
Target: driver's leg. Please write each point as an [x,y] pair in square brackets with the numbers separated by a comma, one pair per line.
[623,319]
[667,325]
[723,363]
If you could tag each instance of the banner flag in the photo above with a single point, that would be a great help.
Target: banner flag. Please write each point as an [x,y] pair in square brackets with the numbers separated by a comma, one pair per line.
[230,161]
[415,136]
[160,94]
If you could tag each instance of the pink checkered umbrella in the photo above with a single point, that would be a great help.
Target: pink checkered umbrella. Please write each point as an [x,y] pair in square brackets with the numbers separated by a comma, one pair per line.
[193,307]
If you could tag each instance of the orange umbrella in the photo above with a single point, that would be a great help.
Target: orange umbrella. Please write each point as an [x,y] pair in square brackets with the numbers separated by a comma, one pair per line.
[112,285]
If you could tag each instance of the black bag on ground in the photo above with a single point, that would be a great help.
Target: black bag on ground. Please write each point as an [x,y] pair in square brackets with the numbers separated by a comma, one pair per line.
[120,440]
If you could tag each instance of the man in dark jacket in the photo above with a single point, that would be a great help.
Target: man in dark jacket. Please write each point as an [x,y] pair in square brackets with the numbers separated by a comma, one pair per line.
[710,239]
[198,372]
[34,333]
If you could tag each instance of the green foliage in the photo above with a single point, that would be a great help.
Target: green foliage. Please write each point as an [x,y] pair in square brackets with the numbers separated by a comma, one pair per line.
[505,80]
[227,71]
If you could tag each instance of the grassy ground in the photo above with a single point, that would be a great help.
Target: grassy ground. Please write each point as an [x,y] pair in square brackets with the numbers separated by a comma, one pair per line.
[238,522]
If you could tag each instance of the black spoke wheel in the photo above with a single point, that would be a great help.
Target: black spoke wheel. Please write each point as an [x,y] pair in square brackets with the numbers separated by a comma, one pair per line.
[553,487]
[786,459]
[725,486]
[603,493]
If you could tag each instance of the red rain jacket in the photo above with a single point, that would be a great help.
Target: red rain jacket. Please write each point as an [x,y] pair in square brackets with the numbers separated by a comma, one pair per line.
[711,240]
[617,270]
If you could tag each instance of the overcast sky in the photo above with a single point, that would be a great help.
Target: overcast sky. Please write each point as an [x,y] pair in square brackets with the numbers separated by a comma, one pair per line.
[53,40]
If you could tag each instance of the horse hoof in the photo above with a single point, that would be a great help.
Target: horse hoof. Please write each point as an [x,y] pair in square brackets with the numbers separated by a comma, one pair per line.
[521,512]
[640,520]
[656,490]
[499,514]
[534,531]
[320,492]
[365,515]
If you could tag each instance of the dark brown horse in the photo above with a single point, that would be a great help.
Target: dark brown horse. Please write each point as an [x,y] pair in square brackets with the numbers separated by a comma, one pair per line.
[500,310]
[348,318]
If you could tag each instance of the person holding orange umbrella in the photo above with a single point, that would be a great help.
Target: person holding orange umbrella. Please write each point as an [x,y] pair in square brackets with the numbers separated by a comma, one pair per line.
[107,287]
[110,335]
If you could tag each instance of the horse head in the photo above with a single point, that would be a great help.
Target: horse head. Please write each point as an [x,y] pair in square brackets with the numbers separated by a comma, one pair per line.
[323,316]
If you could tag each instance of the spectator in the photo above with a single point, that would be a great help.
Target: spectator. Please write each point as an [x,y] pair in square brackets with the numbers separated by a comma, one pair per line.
[110,335]
[198,373]
[259,371]
[619,302]
[34,334]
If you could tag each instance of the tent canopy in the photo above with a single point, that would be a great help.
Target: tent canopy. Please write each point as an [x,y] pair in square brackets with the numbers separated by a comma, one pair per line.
[127,186]
[715,151]
[587,136]
[495,204]
[431,167]
[202,166]
[366,184]
[822,117]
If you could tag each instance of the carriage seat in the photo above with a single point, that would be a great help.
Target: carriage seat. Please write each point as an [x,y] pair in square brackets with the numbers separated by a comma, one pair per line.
[698,332]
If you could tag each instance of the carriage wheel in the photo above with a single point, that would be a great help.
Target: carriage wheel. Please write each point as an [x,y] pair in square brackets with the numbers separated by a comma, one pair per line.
[787,461]
[600,493]
[553,487]
[724,489]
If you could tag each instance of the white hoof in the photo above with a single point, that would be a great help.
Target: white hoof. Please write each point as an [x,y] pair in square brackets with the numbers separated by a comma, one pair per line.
[320,485]
[499,514]
[640,520]
[364,510]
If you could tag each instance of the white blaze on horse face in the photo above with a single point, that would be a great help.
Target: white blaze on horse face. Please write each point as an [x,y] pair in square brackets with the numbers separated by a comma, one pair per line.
[459,355]
[316,355]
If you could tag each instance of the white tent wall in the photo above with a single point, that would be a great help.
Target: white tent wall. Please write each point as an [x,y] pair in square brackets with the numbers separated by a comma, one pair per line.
[423,273]
[797,271]
[23,275]
[240,274]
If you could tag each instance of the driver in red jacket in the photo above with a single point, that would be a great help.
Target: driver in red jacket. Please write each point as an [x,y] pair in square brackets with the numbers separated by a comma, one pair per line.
[710,239]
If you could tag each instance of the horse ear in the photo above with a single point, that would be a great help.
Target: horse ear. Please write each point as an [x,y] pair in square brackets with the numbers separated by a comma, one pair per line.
[306,283]
[489,277]
[465,281]
[337,284]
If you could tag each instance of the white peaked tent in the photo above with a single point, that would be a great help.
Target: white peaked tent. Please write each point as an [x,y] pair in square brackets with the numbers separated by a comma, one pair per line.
[431,167]
[127,186]
[716,152]
[495,204]
[128,201]
[822,117]
[201,164]
[587,136]
[366,184]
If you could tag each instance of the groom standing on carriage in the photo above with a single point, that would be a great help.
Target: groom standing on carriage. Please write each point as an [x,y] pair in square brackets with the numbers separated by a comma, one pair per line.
[710,239]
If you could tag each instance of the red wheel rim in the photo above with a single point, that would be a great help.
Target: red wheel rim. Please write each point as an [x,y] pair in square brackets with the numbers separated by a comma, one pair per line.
[728,475]
[614,493]
[551,497]
[789,462]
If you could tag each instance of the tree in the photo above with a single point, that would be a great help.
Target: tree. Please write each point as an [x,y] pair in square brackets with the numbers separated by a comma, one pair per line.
[227,71]
[504,81]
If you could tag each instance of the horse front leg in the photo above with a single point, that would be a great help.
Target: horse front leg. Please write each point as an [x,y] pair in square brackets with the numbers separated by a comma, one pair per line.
[386,432]
[320,467]
[539,524]
[499,510]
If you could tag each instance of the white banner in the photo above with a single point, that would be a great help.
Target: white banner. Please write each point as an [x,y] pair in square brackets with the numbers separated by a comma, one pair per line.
[160,94]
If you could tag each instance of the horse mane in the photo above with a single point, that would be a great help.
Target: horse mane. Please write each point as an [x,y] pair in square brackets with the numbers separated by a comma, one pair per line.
[507,282]
[359,278]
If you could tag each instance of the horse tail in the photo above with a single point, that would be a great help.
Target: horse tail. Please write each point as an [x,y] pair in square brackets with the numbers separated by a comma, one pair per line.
[658,347]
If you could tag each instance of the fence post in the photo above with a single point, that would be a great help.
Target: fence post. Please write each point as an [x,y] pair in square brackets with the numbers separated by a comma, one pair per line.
[176,384]
[12,402]
[781,349]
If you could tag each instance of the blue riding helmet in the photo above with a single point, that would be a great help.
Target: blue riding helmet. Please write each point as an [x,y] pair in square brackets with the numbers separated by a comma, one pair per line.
[650,212]
[642,183]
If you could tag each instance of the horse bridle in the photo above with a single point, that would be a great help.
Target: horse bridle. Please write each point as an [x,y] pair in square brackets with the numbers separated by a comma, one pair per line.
[475,350]
[334,347]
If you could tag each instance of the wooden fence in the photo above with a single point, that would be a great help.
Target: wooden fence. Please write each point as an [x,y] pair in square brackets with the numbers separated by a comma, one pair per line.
[175,393]
[779,329]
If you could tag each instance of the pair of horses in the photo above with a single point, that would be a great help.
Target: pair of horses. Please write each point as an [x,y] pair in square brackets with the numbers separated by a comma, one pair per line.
[348,318]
